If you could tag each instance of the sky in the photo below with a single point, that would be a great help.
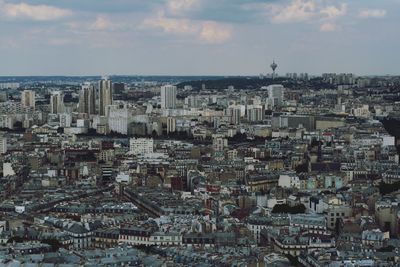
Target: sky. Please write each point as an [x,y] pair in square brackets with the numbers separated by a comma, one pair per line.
[198,37]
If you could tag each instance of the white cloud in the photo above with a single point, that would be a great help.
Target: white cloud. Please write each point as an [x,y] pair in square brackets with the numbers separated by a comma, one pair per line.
[102,23]
[296,11]
[177,7]
[213,32]
[372,13]
[332,12]
[169,25]
[206,31]
[328,27]
[33,12]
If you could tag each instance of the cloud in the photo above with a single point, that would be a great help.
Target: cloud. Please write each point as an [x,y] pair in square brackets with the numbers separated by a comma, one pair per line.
[173,18]
[372,13]
[102,23]
[177,7]
[305,11]
[328,27]
[332,12]
[296,11]
[206,31]
[169,25]
[32,12]
[213,32]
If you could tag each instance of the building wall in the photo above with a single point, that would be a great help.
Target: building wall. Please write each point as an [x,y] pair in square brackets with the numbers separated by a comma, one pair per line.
[140,146]
[3,145]
[328,124]
[168,97]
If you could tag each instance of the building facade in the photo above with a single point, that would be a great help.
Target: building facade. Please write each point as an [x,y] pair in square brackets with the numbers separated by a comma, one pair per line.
[105,96]
[168,97]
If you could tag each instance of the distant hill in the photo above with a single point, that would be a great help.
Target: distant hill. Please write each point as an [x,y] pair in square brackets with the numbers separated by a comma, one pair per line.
[115,78]
[250,83]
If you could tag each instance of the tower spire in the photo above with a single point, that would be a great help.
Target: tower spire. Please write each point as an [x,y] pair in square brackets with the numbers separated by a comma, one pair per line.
[273,67]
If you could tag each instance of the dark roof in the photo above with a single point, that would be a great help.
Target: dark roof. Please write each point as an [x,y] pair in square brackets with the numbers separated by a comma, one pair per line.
[77,228]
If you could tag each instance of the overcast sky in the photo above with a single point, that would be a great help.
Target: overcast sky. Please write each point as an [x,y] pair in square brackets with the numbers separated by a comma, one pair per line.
[198,37]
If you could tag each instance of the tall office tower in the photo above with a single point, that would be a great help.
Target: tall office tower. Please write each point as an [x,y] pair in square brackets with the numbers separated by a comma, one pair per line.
[57,102]
[105,95]
[168,97]
[3,144]
[234,112]
[28,99]
[275,95]
[192,101]
[119,118]
[255,113]
[87,99]
[7,121]
[171,125]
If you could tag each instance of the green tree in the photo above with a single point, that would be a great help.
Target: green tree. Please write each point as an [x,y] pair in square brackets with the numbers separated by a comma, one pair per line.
[285,208]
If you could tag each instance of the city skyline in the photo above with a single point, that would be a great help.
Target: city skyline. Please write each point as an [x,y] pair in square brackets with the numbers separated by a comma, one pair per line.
[198,37]
[179,171]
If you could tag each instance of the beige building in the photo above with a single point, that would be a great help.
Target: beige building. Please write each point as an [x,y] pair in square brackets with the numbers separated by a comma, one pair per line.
[325,123]
[105,95]
[28,99]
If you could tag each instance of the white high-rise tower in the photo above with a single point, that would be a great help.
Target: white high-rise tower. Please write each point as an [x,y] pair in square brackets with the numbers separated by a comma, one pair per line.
[275,95]
[168,97]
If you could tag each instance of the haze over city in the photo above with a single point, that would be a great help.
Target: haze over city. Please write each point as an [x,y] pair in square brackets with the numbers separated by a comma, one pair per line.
[198,37]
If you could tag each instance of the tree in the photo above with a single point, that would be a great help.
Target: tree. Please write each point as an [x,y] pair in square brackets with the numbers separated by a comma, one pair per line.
[16,239]
[17,125]
[302,168]
[315,143]
[293,260]
[385,188]
[238,137]
[54,243]
[285,208]
[389,248]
